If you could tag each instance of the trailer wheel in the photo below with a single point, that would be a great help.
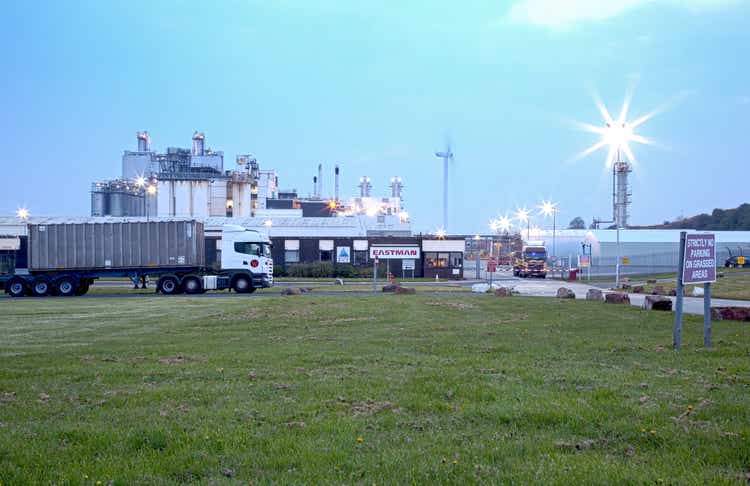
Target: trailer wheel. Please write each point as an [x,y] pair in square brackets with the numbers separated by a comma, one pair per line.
[242,285]
[16,287]
[40,287]
[169,286]
[66,286]
[192,285]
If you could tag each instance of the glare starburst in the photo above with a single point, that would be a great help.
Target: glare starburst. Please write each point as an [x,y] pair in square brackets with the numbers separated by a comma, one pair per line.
[617,134]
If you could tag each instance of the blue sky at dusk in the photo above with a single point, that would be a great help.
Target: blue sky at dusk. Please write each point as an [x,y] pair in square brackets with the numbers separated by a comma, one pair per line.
[375,87]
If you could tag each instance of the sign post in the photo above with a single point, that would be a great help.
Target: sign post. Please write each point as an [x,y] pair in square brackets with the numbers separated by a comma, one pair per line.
[375,275]
[697,266]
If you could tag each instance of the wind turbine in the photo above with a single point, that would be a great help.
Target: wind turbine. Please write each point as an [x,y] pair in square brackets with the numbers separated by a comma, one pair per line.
[447,156]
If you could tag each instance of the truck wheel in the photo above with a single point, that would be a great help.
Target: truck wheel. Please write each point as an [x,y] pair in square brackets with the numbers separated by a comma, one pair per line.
[168,286]
[242,285]
[192,285]
[16,287]
[66,286]
[40,287]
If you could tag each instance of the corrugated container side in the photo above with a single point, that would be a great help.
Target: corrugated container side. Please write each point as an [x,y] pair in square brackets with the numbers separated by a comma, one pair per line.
[84,246]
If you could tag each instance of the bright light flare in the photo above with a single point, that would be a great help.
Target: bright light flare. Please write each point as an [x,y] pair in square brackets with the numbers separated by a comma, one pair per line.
[23,213]
[522,215]
[547,208]
[618,134]
[140,181]
[151,190]
[403,216]
[268,223]
[440,233]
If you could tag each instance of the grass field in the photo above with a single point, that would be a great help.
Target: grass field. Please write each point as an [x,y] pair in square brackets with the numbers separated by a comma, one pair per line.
[367,390]
[732,287]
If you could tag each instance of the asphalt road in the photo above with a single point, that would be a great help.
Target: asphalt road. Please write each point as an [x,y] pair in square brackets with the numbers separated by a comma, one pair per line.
[525,287]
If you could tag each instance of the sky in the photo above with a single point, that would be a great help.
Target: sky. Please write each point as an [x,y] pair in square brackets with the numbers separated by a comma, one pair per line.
[377,87]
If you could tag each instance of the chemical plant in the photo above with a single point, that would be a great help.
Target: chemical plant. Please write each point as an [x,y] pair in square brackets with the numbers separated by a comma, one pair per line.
[194,183]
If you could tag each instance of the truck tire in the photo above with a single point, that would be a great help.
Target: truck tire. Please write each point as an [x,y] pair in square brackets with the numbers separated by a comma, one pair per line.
[41,287]
[169,286]
[242,285]
[66,286]
[192,285]
[16,287]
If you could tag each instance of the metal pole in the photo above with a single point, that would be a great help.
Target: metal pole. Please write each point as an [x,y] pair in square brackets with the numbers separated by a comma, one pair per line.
[707,315]
[445,193]
[617,265]
[375,275]
[478,264]
[680,293]
[554,228]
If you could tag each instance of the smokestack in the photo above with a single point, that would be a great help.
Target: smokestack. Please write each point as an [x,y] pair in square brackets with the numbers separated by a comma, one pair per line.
[199,140]
[320,180]
[315,187]
[336,183]
[144,141]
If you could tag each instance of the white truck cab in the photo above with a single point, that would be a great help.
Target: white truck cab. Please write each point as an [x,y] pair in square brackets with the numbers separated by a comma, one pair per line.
[244,250]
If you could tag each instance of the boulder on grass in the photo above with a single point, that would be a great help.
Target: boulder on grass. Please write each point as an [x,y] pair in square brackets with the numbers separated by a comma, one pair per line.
[565,293]
[503,292]
[291,291]
[638,289]
[338,281]
[651,281]
[390,288]
[595,294]
[698,292]
[658,290]
[480,288]
[730,314]
[673,292]
[657,302]
[625,286]
[405,290]
[617,298]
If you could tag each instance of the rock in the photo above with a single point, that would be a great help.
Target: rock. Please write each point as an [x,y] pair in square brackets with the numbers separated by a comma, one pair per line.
[390,288]
[565,293]
[657,290]
[719,275]
[673,292]
[503,292]
[625,286]
[638,289]
[617,298]
[338,281]
[291,291]
[651,281]
[730,314]
[595,294]
[657,302]
[405,290]
[480,288]
[697,291]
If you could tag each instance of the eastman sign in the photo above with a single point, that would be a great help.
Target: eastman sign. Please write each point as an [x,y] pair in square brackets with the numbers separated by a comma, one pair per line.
[394,252]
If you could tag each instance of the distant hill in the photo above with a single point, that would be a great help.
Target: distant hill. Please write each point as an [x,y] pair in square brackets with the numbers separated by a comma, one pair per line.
[720,219]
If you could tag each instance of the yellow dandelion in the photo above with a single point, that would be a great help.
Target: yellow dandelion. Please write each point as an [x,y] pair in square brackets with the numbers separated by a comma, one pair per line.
[360,439]
[455,461]
[643,430]
[690,407]
[652,432]
[85,476]
[443,460]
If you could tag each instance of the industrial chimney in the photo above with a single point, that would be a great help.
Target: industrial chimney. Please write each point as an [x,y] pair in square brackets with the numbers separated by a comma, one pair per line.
[396,187]
[199,140]
[336,184]
[364,186]
[144,141]
[315,187]
[320,180]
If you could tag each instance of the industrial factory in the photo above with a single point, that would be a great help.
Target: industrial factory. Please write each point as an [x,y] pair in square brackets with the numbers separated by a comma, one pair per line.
[194,183]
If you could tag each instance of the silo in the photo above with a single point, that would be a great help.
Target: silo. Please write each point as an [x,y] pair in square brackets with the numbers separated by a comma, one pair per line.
[98,201]
[117,203]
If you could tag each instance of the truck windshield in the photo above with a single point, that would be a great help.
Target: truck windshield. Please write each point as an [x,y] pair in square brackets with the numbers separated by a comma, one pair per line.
[535,254]
[255,249]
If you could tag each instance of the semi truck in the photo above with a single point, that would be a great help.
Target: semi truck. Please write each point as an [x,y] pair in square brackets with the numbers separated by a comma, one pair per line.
[531,261]
[65,259]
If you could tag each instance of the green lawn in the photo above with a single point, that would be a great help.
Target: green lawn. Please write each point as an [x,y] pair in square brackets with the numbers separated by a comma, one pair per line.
[366,390]
[730,287]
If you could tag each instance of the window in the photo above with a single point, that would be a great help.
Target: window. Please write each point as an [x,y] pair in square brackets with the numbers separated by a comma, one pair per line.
[429,259]
[457,259]
[255,249]
[326,256]
[442,260]
[291,256]
[360,257]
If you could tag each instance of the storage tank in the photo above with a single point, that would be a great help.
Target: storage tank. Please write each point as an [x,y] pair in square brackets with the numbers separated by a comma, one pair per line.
[98,201]
[112,245]
[117,203]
